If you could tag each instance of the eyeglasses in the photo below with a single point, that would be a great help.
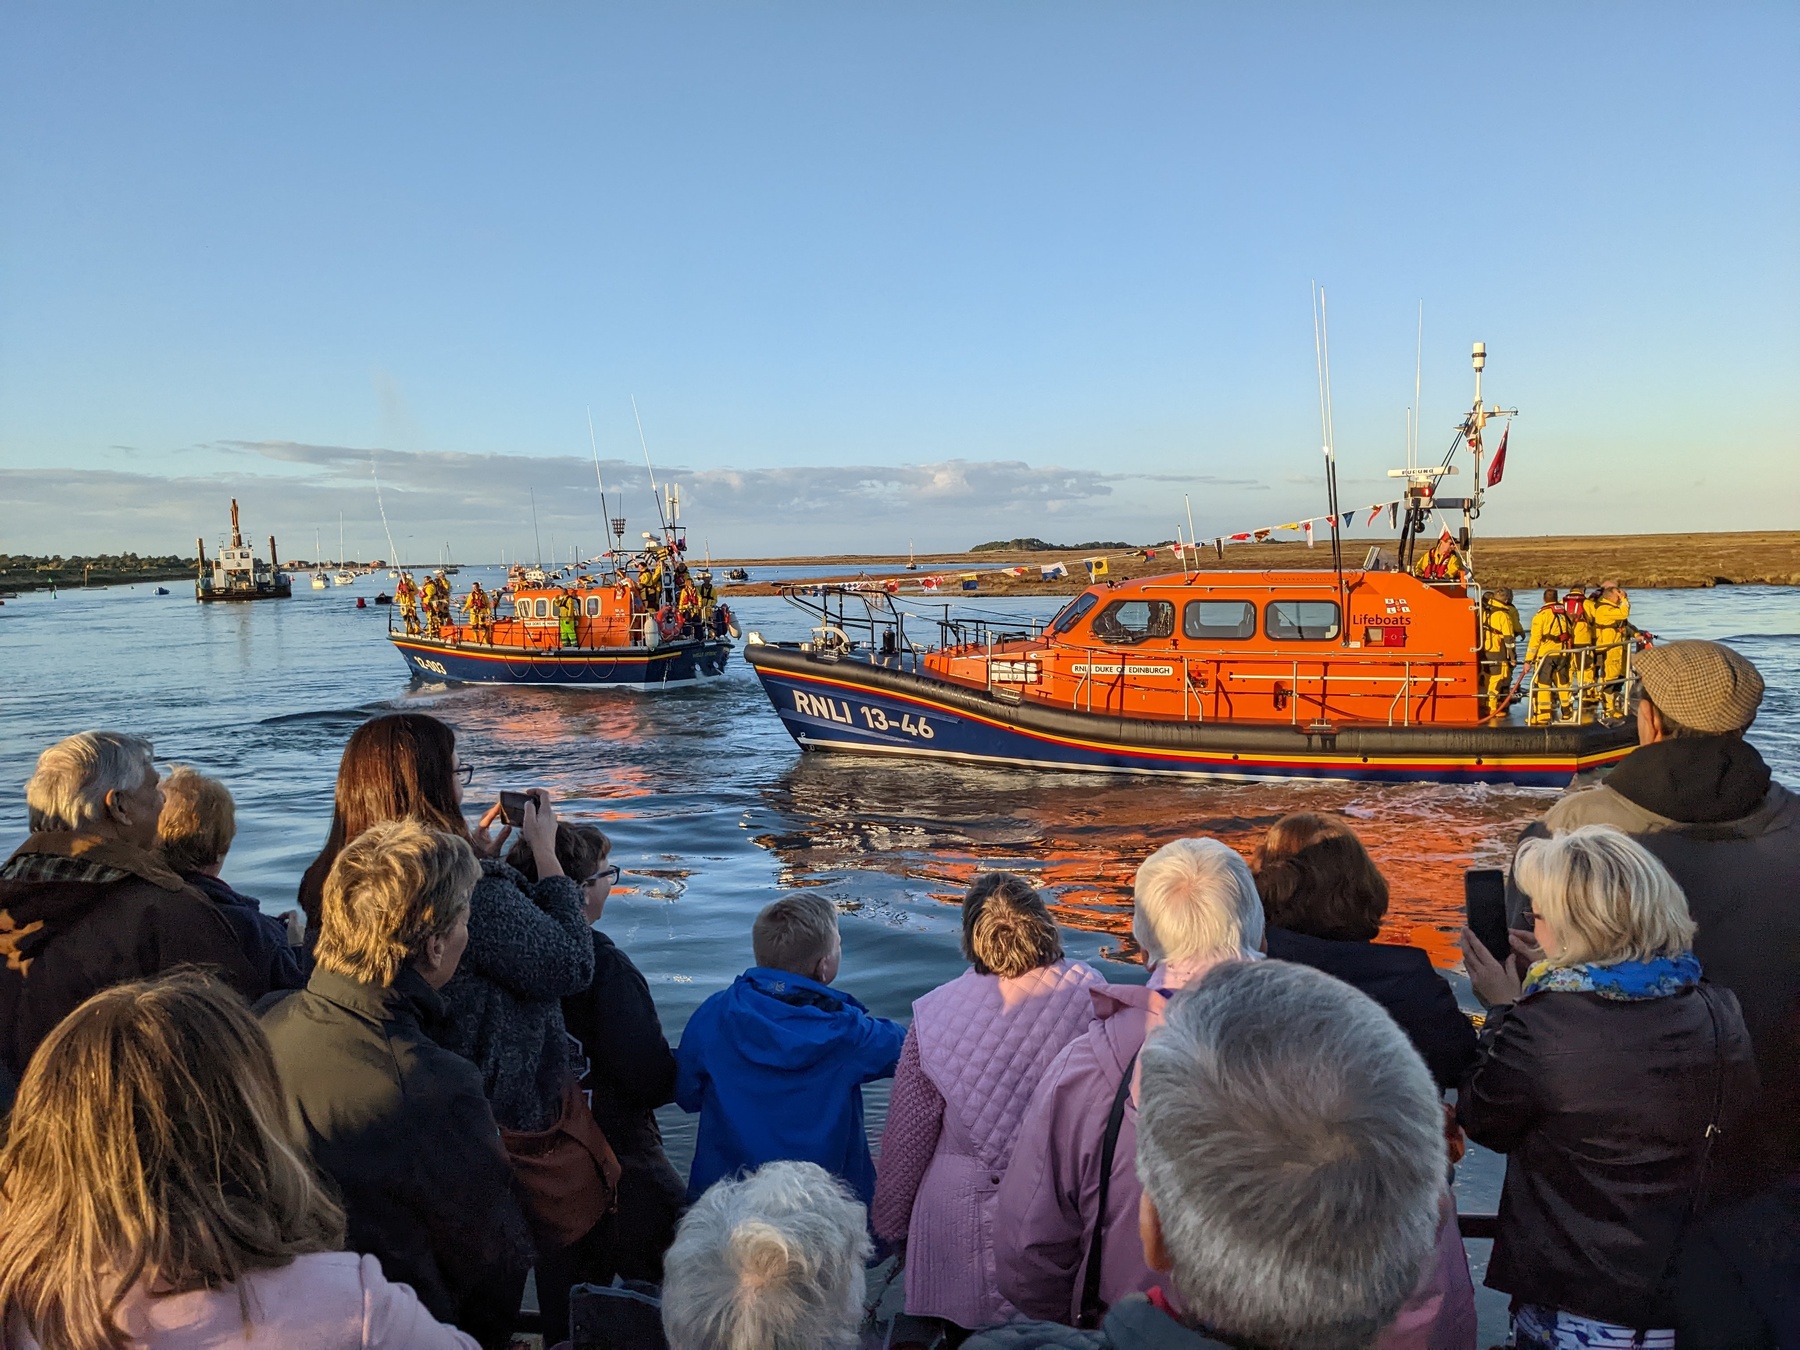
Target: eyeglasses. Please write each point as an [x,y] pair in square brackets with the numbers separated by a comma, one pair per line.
[465,773]
[610,874]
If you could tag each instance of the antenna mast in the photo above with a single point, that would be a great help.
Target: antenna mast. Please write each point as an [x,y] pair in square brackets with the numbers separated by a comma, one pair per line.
[654,493]
[1322,356]
[594,445]
[393,553]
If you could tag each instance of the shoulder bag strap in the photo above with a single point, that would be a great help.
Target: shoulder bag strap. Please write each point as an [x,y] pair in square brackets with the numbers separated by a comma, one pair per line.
[1091,1307]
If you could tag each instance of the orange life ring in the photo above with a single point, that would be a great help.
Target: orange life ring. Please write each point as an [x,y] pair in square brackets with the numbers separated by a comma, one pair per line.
[666,623]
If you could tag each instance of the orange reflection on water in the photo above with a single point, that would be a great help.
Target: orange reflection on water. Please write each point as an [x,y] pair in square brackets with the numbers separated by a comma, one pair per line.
[1080,841]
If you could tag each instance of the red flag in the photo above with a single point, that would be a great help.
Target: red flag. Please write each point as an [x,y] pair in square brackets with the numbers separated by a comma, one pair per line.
[1498,467]
[1375,511]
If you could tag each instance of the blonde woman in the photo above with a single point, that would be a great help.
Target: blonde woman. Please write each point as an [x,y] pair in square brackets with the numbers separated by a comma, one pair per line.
[150,1194]
[1607,1076]
[399,1123]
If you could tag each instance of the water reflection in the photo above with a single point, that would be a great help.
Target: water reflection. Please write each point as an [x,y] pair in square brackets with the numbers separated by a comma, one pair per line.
[932,829]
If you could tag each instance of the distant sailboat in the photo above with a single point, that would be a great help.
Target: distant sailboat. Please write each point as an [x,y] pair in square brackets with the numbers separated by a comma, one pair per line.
[319,579]
[343,576]
[912,564]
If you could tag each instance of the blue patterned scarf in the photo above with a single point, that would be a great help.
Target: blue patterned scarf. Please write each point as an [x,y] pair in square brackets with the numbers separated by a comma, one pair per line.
[1624,981]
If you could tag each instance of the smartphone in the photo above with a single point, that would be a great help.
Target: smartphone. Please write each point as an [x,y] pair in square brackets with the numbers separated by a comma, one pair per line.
[1484,906]
[512,807]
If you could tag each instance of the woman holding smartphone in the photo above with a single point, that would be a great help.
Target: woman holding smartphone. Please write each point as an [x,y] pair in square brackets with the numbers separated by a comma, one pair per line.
[1613,1078]
[528,939]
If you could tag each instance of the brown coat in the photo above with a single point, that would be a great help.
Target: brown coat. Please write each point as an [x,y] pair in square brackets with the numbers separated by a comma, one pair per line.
[64,940]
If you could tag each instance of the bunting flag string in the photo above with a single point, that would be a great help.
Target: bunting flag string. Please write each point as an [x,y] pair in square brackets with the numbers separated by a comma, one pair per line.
[1099,566]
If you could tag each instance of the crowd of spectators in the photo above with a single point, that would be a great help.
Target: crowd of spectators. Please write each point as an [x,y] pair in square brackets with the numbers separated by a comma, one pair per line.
[368,1127]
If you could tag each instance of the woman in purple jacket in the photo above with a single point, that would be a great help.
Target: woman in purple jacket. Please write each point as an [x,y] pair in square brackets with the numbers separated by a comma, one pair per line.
[1195,905]
[977,1048]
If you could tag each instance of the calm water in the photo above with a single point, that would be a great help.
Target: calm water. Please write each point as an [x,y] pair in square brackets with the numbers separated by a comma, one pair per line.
[712,808]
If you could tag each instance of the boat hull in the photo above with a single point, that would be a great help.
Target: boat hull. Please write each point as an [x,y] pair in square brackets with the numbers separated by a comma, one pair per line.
[279,592]
[671,666]
[857,706]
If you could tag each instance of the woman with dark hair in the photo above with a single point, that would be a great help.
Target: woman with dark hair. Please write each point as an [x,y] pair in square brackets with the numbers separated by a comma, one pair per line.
[153,1194]
[1325,900]
[528,940]
[977,1048]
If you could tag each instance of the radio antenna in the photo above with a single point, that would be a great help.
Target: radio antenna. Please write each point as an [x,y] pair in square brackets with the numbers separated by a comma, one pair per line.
[657,496]
[1322,357]
[594,445]
[1412,449]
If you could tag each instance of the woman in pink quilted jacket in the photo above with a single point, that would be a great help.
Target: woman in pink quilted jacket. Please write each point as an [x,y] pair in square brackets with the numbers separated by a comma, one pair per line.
[977,1048]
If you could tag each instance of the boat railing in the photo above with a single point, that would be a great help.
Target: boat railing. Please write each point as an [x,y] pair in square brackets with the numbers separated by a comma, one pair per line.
[1569,688]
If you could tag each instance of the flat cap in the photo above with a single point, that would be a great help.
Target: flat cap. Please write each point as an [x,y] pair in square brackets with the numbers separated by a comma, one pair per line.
[1703,685]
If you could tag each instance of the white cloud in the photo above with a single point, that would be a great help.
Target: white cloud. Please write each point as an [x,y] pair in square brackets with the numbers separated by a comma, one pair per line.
[482,503]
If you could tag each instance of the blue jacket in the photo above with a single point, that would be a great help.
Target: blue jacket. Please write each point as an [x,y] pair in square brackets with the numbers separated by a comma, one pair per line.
[775,1067]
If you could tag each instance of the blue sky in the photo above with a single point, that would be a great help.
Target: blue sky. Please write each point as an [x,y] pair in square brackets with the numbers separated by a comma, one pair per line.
[877,271]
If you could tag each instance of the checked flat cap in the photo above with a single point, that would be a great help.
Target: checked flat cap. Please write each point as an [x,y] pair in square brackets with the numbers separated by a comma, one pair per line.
[1703,685]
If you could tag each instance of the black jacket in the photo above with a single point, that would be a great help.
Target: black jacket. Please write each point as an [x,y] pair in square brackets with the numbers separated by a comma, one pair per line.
[1729,834]
[403,1129]
[621,1056]
[63,941]
[1602,1109]
[1401,980]
[262,936]
[625,1065]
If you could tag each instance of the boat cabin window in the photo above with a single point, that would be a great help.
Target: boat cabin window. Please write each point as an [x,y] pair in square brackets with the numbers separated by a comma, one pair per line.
[1214,620]
[1135,620]
[543,609]
[593,606]
[1073,611]
[1301,620]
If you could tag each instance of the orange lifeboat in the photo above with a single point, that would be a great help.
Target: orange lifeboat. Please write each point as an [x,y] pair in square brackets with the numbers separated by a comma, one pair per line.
[1373,673]
[610,638]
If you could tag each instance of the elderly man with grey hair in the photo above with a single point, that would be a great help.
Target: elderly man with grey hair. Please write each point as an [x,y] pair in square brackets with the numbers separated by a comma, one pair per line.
[1291,1147]
[772,1261]
[1062,1211]
[86,903]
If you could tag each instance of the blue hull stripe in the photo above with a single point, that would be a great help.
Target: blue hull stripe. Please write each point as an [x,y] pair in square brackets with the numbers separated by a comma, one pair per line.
[676,664]
[823,712]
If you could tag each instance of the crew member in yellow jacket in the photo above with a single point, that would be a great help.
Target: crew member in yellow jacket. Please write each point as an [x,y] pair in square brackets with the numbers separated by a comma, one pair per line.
[1612,632]
[1584,670]
[1547,653]
[1500,633]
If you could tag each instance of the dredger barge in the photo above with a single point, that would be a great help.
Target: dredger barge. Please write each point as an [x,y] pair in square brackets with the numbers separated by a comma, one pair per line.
[1372,673]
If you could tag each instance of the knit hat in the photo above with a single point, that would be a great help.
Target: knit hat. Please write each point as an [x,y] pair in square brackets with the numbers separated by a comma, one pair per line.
[1703,685]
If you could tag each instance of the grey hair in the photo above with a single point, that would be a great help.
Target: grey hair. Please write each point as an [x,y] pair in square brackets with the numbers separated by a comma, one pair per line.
[771,1261]
[68,791]
[1195,898]
[1292,1142]
[1609,897]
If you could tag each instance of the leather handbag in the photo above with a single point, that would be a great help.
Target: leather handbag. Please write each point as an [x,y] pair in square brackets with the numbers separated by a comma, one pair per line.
[568,1174]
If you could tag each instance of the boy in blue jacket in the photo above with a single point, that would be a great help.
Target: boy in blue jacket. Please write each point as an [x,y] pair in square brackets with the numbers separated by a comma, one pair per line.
[776,1063]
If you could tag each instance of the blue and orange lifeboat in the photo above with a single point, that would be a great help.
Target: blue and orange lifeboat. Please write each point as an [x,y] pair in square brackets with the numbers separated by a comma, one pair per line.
[610,639]
[1374,675]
